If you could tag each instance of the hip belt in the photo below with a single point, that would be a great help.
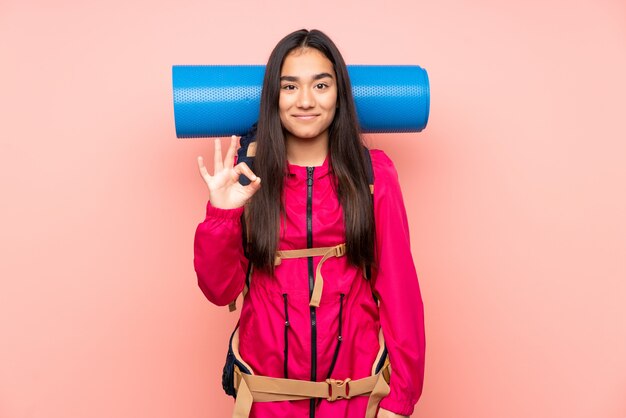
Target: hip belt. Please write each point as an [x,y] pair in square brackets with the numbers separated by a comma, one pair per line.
[250,387]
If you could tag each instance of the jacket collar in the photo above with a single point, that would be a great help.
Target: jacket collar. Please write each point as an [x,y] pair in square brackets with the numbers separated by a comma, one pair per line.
[299,171]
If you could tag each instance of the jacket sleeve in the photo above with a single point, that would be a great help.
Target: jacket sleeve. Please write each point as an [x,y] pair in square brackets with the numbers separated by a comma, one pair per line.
[395,281]
[219,260]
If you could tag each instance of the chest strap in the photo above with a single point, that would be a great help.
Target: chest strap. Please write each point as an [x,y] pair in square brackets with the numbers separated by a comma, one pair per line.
[325,252]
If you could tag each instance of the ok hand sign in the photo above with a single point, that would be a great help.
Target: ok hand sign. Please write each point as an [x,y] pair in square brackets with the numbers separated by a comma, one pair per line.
[225,191]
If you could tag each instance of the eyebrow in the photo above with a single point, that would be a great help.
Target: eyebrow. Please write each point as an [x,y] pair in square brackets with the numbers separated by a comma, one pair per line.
[315,77]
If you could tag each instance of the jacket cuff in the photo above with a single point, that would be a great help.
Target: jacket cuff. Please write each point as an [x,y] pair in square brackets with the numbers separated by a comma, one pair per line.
[397,406]
[213,212]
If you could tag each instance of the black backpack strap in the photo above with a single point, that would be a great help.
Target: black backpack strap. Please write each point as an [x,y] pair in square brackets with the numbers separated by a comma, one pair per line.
[370,179]
[369,168]
[246,152]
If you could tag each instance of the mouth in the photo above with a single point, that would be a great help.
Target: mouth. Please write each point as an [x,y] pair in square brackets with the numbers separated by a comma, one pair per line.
[305,117]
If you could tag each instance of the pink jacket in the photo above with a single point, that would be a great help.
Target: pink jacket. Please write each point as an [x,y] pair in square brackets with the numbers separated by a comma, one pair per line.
[312,333]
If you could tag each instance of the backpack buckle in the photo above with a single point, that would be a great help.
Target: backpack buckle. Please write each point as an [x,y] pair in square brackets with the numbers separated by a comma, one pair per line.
[340,250]
[338,389]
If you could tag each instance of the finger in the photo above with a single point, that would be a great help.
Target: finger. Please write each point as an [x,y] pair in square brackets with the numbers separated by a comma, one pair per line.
[203,171]
[229,161]
[255,185]
[217,156]
[251,188]
[234,174]
[242,168]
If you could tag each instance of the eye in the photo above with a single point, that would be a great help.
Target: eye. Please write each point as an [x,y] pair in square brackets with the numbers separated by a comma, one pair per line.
[321,86]
[288,87]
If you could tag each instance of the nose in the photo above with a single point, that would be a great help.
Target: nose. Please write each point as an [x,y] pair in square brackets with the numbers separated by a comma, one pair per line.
[306,99]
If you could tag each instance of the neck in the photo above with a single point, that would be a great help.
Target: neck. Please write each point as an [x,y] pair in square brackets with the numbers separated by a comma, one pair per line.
[307,152]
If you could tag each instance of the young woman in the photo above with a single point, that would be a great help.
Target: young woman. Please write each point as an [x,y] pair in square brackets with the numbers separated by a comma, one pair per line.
[310,189]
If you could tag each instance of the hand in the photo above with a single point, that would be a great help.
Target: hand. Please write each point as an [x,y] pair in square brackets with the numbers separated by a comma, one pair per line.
[383,413]
[225,191]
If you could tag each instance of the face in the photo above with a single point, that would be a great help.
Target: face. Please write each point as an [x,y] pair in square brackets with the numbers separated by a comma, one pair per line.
[308,94]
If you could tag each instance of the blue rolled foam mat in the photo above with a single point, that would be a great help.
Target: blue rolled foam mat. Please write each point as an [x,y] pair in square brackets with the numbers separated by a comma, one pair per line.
[224,100]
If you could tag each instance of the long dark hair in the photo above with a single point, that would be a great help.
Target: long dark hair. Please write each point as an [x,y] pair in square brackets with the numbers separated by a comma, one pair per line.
[347,162]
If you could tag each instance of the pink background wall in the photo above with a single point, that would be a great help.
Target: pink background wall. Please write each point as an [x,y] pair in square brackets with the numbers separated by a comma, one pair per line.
[515,194]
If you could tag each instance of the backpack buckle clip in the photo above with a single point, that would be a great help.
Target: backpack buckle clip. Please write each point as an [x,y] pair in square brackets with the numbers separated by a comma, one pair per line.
[338,389]
[340,250]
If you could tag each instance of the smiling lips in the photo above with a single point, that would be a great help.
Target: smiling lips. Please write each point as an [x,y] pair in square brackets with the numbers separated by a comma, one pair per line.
[305,117]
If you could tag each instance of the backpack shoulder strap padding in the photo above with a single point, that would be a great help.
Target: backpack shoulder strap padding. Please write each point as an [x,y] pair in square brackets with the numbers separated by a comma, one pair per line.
[369,168]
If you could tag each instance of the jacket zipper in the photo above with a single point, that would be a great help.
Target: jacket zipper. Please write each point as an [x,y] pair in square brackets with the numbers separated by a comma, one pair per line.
[286,336]
[309,242]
